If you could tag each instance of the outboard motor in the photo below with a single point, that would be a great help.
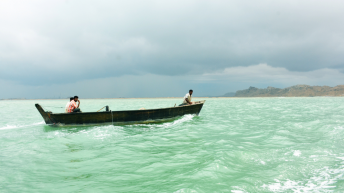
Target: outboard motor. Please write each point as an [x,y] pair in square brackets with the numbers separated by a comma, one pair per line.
[107,108]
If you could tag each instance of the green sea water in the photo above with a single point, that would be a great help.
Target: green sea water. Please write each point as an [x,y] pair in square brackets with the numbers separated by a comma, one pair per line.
[234,145]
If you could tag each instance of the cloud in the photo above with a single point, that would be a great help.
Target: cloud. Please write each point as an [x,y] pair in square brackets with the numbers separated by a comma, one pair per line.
[265,74]
[151,85]
[50,43]
[128,86]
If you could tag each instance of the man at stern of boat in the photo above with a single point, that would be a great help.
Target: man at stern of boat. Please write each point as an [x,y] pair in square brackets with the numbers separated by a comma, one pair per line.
[73,107]
[187,98]
[67,105]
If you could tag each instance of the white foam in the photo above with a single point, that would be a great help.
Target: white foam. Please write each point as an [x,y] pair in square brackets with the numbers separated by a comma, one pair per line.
[38,123]
[322,180]
[297,153]
[8,127]
[186,190]
[238,190]
[20,126]
[185,118]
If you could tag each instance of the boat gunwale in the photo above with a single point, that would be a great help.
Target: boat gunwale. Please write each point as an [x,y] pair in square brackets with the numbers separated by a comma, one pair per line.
[200,103]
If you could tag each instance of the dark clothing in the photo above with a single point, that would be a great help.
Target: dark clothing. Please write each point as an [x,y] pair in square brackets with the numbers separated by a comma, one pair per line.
[76,110]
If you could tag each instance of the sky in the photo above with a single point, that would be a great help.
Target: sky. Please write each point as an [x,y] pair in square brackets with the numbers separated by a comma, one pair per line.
[151,48]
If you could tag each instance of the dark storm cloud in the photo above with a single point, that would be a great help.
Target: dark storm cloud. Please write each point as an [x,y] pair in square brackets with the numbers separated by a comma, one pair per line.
[60,42]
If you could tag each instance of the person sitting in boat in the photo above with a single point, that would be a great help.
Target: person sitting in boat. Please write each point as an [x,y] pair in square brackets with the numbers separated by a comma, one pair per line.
[73,108]
[187,98]
[67,105]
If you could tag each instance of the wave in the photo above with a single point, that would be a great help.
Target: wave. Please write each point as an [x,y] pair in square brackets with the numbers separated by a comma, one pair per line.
[323,180]
[184,118]
[21,126]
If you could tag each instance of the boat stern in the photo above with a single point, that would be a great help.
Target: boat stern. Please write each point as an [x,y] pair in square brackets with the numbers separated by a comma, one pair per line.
[46,115]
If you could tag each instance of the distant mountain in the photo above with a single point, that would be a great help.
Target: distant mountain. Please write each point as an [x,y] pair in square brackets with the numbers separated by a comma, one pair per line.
[293,91]
[230,94]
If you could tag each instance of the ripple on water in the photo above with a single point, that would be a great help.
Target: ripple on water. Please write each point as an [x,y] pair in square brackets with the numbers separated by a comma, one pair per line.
[235,145]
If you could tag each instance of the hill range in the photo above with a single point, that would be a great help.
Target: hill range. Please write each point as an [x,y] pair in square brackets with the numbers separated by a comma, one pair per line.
[293,91]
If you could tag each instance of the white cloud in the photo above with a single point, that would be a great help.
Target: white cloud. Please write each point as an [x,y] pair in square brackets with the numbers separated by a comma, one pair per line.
[264,73]
[150,85]
[59,42]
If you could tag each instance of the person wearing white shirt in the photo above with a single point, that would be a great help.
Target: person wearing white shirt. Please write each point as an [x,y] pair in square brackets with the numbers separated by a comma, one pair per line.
[67,105]
[187,98]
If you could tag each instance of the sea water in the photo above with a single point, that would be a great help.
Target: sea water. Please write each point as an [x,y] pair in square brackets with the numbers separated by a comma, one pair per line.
[234,145]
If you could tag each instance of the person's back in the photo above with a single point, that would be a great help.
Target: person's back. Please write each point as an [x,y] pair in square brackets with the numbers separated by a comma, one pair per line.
[67,105]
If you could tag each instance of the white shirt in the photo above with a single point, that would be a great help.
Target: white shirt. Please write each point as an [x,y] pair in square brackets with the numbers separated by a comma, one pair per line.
[67,106]
[187,96]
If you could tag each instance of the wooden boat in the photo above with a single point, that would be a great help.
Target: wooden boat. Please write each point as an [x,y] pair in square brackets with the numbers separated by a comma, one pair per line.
[119,117]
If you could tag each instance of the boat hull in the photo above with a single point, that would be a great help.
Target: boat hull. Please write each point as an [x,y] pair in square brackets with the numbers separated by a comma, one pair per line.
[119,117]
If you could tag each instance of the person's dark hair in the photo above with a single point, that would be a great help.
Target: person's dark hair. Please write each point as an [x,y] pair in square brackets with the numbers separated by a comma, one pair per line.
[71,98]
[76,97]
[190,90]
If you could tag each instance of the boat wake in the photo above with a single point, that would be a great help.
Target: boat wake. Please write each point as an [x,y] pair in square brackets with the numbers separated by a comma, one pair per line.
[323,180]
[21,126]
[181,120]
[185,118]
